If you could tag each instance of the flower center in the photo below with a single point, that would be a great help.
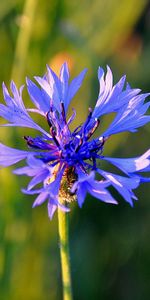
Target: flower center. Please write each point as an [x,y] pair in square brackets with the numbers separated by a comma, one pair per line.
[68,179]
[68,147]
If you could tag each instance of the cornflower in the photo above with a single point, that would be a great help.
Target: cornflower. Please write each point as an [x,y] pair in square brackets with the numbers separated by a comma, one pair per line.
[63,164]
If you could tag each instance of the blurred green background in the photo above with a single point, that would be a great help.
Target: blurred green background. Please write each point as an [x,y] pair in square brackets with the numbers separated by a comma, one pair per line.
[110,245]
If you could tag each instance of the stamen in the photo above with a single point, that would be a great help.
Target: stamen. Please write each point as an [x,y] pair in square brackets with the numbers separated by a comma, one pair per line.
[88,118]
[92,130]
[52,127]
[63,112]
[102,139]
[48,119]
[80,142]
[53,133]
[30,142]
[72,117]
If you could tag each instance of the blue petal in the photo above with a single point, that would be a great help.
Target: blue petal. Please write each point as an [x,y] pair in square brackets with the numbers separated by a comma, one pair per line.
[123,185]
[86,183]
[111,98]
[41,198]
[36,169]
[97,189]
[25,171]
[74,87]
[51,209]
[10,156]
[53,205]
[50,92]
[131,165]
[55,88]
[130,116]
[58,89]
[38,96]
[64,79]
[54,187]
[15,111]
[81,194]
[38,178]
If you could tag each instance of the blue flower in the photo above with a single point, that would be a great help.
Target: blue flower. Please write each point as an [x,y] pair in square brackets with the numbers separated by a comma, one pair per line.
[63,164]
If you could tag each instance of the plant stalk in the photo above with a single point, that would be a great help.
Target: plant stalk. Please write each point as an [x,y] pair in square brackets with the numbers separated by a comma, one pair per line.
[64,254]
[24,36]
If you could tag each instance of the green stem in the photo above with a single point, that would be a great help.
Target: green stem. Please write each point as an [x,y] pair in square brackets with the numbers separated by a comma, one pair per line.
[23,40]
[64,254]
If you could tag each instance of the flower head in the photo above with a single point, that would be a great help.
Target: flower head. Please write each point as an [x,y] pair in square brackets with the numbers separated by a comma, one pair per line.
[65,163]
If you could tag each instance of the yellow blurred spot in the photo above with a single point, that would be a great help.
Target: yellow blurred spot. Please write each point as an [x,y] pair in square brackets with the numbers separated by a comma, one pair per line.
[23,21]
[57,61]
